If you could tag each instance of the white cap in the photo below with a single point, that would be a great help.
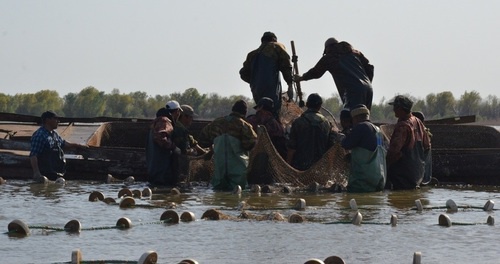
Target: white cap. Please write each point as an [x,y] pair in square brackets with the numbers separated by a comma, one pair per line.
[172,105]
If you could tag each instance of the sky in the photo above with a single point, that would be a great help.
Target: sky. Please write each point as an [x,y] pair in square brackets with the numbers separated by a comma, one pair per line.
[163,47]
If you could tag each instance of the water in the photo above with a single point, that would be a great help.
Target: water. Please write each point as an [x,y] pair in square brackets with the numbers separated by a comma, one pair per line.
[248,241]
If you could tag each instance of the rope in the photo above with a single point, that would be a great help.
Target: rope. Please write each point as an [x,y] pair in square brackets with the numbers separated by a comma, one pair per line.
[96,228]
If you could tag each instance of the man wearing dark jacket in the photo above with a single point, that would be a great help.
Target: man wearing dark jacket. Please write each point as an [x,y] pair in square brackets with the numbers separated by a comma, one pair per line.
[351,71]
[262,67]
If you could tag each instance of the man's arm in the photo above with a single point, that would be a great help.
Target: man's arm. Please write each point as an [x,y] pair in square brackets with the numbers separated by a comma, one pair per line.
[245,72]
[34,166]
[396,144]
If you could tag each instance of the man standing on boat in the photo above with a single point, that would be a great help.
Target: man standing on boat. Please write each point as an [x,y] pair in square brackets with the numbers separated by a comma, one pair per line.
[408,148]
[231,138]
[174,109]
[47,155]
[160,151]
[351,71]
[311,135]
[261,70]
[368,165]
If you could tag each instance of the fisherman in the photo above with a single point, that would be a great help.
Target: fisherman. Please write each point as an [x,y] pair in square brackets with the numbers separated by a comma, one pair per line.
[231,138]
[160,151]
[367,157]
[261,70]
[182,137]
[408,148]
[264,117]
[351,71]
[174,109]
[345,123]
[47,155]
[311,135]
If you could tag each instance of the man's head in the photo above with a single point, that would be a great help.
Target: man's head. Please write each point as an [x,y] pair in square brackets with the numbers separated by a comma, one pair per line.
[268,37]
[265,103]
[240,107]
[50,120]
[187,115]
[329,43]
[401,105]
[419,115]
[360,113]
[314,101]
[345,118]
[174,108]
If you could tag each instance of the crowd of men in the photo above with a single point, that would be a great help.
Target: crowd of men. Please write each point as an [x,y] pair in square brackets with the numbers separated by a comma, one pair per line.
[375,162]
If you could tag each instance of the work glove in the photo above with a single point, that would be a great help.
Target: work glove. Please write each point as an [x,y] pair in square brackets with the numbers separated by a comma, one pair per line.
[290,93]
[297,78]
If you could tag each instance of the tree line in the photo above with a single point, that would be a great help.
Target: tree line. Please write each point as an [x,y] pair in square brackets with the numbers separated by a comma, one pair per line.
[90,102]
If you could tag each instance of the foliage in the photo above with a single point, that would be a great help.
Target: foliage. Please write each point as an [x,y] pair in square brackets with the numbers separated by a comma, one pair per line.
[90,102]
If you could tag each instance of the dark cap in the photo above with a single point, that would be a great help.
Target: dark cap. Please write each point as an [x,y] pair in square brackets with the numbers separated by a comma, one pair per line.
[188,110]
[345,114]
[240,106]
[403,102]
[314,100]
[48,114]
[331,41]
[269,36]
[266,103]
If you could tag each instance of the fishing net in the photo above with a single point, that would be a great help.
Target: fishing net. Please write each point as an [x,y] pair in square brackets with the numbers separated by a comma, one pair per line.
[267,166]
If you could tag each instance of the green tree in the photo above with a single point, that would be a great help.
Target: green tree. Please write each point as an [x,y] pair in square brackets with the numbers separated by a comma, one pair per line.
[469,103]
[90,102]
[5,101]
[445,104]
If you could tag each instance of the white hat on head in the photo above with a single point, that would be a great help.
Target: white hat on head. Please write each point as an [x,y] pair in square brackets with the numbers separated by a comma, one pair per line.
[172,105]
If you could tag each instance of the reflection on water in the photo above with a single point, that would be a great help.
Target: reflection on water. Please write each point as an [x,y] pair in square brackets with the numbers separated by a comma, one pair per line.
[247,241]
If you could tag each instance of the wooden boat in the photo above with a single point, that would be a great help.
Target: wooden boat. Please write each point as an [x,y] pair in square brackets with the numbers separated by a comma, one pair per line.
[462,153]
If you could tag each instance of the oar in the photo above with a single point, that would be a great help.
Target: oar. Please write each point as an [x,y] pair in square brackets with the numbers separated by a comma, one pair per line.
[296,72]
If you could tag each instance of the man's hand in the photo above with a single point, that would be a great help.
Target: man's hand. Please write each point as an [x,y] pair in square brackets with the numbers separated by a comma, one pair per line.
[297,78]
[290,93]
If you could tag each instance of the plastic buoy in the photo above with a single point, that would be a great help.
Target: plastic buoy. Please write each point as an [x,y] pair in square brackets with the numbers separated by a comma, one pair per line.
[73,226]
[149,257]
[2,181]
[96,196]
[60,181]
[109,200]
[295,218]
[334,260]
[127,202]
[147,192]
[394,220]
[130,180]
[137,194]
[188,261]
[255,188]
[170,216]
[353,204]
[123,223]
[175,191]
[419,206]
[266,189]
[356,220]
[417,257]
[237,189]
[490,220]
[287,189]
[211,214]
[444,220]
[42,179]
[451,205]
[125,192]
[76,257]
[18,227]
[300,205]
[313,187]
[275,216]
[488,206]
[314,261]
[187,217]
